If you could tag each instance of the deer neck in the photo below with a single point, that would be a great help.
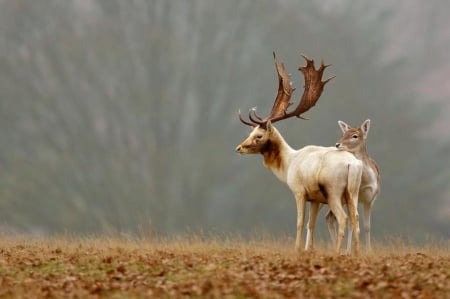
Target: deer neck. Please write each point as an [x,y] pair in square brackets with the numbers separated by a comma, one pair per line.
[368,163]
[277,153]
[362,155]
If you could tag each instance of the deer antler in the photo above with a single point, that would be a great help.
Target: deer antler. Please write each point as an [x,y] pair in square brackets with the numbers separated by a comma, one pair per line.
[282,100]
[313,89]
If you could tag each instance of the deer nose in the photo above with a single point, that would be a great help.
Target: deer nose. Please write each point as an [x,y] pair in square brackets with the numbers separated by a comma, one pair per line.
[238,149]
[338,145]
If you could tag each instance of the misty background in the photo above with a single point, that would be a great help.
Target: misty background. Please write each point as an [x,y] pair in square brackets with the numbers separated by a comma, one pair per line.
[122,115]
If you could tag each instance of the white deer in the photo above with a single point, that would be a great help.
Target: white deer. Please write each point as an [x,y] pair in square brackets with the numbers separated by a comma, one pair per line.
[354,140]
[314,174]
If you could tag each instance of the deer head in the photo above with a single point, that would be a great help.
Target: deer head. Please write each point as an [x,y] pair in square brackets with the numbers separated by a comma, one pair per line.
[257,141]
[262,126]
[353,139]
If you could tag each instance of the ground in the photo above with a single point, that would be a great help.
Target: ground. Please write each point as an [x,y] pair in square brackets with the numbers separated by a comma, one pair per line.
[119,267]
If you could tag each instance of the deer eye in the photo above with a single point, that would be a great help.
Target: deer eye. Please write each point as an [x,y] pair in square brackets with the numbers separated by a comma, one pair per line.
[355,136]
[259,136]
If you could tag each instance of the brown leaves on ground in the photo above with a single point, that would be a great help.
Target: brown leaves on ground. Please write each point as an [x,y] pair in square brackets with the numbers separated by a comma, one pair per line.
[214,269]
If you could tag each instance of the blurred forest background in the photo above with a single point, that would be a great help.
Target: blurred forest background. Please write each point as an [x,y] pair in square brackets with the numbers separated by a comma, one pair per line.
[122,115]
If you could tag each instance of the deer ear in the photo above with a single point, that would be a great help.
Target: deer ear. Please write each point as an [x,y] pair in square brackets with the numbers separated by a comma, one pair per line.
[365,127]
[344,127]
[269,127]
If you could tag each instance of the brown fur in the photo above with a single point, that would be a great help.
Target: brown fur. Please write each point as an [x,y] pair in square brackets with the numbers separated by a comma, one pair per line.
[271,153]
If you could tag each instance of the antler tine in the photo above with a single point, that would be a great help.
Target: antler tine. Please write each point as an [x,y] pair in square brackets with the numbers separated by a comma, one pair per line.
[244,121]
[253,111]
[253,122]
[258,118]
[306,57]
[328,80]
[322,68]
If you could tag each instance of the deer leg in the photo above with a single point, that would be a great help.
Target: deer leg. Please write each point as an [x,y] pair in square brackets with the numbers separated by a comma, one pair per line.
[349,236]
[367,212]
[354,182]
[301,205]
[354,218]
[341,217]
[331,221]
[313,211]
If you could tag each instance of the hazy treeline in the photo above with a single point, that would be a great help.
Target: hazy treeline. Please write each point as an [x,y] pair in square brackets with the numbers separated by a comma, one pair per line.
[123,114]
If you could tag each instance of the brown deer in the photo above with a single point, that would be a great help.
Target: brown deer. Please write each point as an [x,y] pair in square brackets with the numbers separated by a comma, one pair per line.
[354,140]
[314,174]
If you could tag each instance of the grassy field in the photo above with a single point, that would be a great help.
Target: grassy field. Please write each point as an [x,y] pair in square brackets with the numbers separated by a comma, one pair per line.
[203,267]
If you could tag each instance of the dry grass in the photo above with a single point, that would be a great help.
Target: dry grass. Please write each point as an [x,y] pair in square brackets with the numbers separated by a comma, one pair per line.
[204,267]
